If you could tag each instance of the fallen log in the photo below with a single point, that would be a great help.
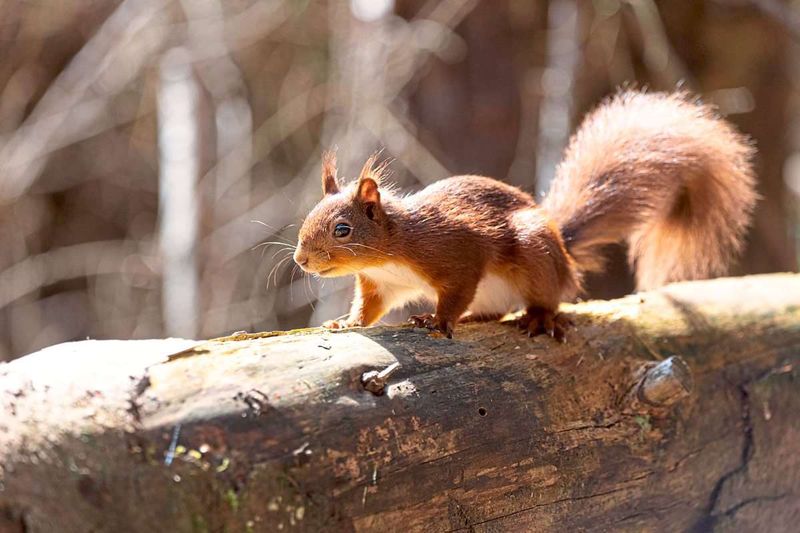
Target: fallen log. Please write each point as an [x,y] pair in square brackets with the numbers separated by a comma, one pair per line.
[674,410]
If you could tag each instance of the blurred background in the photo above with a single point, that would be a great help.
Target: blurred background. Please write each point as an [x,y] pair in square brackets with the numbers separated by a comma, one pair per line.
[155,154]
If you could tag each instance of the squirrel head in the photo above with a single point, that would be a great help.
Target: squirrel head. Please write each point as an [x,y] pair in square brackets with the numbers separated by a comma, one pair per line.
[347,230]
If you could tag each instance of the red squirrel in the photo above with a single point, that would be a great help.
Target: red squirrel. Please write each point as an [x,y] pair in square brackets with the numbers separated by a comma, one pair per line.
[660,171]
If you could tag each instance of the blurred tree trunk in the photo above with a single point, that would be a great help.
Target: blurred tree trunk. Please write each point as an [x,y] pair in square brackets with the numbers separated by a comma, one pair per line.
[468,111]
[731,45]
[723,46]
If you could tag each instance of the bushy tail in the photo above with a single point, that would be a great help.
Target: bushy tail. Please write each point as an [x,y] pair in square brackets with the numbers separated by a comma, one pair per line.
[662,172]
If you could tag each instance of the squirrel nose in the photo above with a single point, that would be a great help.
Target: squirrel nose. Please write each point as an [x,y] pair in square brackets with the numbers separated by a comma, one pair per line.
[300,259]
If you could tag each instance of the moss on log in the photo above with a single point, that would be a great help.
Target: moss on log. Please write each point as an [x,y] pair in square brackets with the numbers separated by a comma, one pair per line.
[674,410]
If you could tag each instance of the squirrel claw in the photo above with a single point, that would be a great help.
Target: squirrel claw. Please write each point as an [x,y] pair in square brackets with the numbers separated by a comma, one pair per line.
[536,321]
[335,324]
[425,320]
[429,321]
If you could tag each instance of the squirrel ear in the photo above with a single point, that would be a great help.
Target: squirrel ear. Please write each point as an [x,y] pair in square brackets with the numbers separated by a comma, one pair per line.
[329,183]
[367,189]
[368,192]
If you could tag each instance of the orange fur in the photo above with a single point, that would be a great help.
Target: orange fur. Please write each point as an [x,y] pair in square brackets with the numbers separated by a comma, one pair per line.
[665,174]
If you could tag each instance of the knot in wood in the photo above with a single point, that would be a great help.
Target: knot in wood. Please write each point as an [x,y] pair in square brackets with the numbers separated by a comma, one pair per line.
[666,383]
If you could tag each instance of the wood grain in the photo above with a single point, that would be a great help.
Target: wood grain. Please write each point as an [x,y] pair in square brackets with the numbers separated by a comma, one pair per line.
[490,431]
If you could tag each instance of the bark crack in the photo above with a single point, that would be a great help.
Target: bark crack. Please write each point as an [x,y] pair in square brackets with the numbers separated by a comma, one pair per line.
[649,512]
[710,516]
[613,422]
[134,406]
[730,513]
[554,502]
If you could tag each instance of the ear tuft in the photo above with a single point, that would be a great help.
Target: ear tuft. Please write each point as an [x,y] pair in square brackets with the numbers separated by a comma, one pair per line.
[329,183]
[371,170]
[369,180]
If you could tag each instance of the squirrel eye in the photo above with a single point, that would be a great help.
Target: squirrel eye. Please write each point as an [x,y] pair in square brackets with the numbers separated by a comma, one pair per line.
[341,230]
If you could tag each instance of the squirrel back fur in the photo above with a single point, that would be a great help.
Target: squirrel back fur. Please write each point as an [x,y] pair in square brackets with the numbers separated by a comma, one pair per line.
[661,172]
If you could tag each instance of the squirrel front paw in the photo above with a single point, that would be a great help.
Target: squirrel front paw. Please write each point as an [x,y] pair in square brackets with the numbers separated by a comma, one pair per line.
[433,323]
[338,324]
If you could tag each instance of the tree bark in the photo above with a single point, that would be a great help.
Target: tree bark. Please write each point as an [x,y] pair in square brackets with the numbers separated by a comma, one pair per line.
[674,410]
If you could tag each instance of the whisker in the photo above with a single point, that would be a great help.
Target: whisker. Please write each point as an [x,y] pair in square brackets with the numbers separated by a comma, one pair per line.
[349,270]
[269,274]
[283,240]
[346,248]
[287,250]
[291,283]
[277,243]
[274,272]
[273,228]
[264,224]
[368,247]
[264,250]
[313,308]
[283,262]
[311,291]
[305,286]
[265,245]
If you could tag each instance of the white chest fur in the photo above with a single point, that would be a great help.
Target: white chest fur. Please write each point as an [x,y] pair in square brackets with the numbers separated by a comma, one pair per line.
[496,295]
[400,285]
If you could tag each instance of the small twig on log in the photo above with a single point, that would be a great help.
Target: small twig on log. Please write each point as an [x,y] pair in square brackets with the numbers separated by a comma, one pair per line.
[302,455]
[172,445]
[375,382]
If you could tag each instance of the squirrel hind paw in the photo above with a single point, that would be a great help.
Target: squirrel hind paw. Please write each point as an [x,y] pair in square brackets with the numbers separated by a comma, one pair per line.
[431,322]
[537,321]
